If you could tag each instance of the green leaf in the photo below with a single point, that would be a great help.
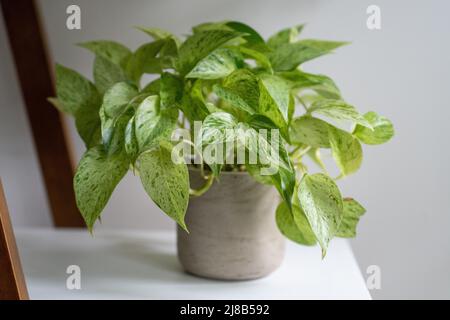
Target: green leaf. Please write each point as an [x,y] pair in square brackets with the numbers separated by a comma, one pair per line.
[321,84]
[251,36]
[382,132]
[289,56]
[109,50]
[288,35]
[346,150]
[144,60]
[310,131]
[193,104]
[233,98]
[323,45]
[131,144]
[171,90]
[339,110]
[322,204]
[315,156]
[88,124]
[279,91]
[110,62]
[74,91]
[260,58]
[271,154]
[246,85]
[294,224]
[79,97]
[275,110]
[107,74]
[95,179]
[152,87]
[153,124]
[115,101]
[165,181]
[199,45]
[214,128]
[117,97]
[219,64]
[217,129]
[351,214]
[159,34]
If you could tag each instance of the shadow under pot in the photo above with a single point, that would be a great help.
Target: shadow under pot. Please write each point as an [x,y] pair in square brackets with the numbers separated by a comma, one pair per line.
[232,230]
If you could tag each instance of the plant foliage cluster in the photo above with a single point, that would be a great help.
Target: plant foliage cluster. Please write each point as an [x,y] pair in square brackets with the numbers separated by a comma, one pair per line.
[227,76]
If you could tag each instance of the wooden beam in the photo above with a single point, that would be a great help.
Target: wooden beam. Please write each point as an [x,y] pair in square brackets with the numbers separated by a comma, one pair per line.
[12,281]
[35,76]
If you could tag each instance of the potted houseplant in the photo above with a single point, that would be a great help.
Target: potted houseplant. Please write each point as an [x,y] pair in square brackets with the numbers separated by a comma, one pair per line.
[219,140]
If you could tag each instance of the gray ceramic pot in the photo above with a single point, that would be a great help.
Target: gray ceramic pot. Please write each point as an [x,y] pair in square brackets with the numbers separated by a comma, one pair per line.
[233,233]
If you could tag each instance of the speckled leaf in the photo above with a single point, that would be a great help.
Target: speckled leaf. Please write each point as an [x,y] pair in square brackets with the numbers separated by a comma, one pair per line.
[218,64]
[74,91]
[79,97]
[324,46]
[131,144]
[310,131]
[260,58]
[95,179]
[215,130]
[192,102]
[153,124]
[153,87]
[321,202]
[250,35]
[117,97]
[382,132]
[110,62]
[107,74]
[294,224]
[339,110]
[166,182]
[144,60]
[271,152]
[288,35]
[171,90]
[114,104]
[321,84]
[199,45]
[233,98]
[346,150]
[110,50]
[159,34]
[279,90]
[88,124]
[351,214]
[289,56]
[269,107]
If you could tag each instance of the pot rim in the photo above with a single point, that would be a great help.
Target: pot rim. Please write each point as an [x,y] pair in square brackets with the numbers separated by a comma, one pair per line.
[195,169]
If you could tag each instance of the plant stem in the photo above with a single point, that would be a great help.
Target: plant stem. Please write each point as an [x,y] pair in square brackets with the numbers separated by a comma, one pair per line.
[204,188]
[303,104]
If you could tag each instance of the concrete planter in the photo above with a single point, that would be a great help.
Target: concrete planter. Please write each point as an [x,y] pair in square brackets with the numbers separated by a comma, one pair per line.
[233,233]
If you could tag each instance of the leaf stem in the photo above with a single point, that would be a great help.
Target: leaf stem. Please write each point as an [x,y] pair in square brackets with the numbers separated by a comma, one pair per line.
[198,192]
[302,103]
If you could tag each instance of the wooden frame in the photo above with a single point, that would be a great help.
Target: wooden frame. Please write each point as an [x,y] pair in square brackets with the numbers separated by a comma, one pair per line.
[35,76]
[12,281]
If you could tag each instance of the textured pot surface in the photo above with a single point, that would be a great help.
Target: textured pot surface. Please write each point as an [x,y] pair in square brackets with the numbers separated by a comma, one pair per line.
[232,230]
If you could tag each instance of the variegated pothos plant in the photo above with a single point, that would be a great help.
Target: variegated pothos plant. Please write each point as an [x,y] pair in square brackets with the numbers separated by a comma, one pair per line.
[227,76]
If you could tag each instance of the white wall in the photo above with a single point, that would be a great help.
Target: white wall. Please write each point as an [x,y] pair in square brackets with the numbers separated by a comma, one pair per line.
[401,71]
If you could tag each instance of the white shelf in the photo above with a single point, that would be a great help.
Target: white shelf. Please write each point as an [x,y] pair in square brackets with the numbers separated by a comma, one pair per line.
[143,265]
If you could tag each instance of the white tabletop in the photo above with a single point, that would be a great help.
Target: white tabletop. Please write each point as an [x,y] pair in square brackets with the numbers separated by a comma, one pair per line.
[143,265]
